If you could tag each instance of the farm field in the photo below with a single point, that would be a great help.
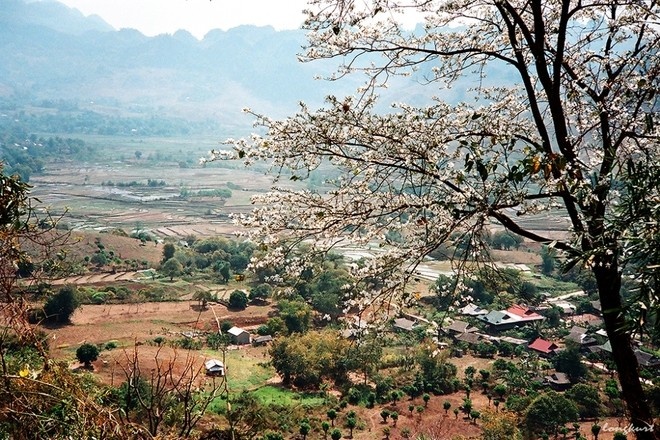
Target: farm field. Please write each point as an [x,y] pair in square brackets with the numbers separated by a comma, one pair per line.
[83,190]
[113,190]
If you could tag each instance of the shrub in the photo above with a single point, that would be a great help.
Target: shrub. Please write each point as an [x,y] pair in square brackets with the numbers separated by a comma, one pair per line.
[189,344]
[225,326]
[60,307]
[263,330]
[238,300]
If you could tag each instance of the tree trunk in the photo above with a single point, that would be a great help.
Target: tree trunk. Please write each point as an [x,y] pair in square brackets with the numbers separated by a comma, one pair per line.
[609,285]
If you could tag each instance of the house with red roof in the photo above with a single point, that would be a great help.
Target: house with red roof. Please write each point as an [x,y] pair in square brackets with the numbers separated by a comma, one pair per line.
[524,313]
[545,348]
[510,318]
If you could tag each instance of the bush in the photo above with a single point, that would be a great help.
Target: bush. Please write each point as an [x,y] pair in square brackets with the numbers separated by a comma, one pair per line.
[60,307]
[263,330]
[586,398]
[485,350]
[354,396]
[189,344]
[238,300]
[260,292]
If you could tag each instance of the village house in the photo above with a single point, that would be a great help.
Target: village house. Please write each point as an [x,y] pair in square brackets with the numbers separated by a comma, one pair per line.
[404,324]
[507,339]
[499,320]
[473,310]
[587,319]
[214,367]
[647,360]
[510,318]
[565,307]
[524,313]
[604,348]
[262,340]
[458,327]
[239,336]
[557,381]
[579,336]
[543,347]
[470,338]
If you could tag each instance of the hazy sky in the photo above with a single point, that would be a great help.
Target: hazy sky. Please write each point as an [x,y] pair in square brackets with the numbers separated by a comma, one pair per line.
[153,17]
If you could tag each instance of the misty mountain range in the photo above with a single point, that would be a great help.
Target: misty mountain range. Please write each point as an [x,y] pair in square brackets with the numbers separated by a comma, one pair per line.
[52,52]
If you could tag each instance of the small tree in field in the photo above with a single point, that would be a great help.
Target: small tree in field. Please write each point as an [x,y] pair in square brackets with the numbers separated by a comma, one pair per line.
[571,132]
[351,423]
[595,430]
[168,251]
[467,406]
[500,390]
[87,353]
[332,415]
[426,397]
[304,429]
[203,297]
[172,268]
[548,258]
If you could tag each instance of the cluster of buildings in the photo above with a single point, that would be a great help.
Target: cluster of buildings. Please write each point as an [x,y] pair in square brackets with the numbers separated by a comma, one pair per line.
[582,334]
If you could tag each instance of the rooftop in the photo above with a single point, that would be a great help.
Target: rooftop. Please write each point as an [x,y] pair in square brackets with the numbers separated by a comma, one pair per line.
[460,327]
[543,346]
[236,331]
[473,310]
[404,324]
[213,363]
[525,313]
[498,317]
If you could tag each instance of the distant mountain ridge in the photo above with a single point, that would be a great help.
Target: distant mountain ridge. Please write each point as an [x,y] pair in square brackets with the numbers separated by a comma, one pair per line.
[53,15]
[53,52]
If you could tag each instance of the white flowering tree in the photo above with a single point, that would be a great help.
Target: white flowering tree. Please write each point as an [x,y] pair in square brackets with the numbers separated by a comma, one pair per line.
[573,133]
